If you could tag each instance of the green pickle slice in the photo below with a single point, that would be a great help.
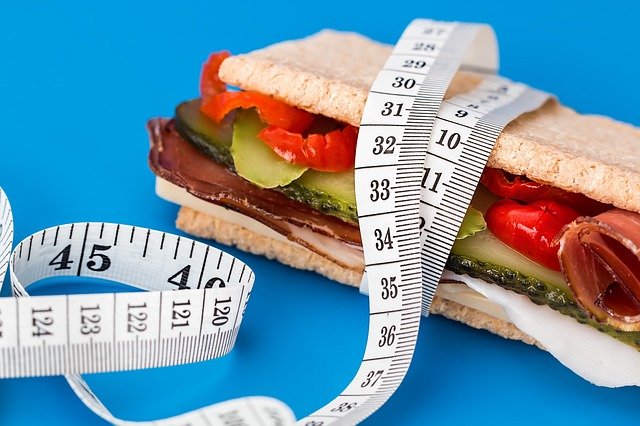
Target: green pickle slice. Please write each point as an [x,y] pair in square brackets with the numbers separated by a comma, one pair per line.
[211,138]
[254,160]
[331,193]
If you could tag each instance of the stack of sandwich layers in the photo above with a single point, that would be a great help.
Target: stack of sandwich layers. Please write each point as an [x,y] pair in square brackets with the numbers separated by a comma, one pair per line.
[330,74]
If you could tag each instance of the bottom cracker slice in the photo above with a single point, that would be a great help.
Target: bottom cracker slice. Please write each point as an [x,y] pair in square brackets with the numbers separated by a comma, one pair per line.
[206,226]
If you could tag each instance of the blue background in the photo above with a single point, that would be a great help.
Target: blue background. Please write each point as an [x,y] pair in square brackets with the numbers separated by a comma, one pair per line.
[78,82]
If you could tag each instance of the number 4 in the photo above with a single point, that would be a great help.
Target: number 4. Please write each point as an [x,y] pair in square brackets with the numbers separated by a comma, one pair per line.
[383,239]
[62,259]
[182,281]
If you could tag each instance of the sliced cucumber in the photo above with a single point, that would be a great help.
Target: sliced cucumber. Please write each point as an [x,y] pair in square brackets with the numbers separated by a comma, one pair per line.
[212,138]
[472,223]
[255,160]
[340,185]
[484,247]
[330,193]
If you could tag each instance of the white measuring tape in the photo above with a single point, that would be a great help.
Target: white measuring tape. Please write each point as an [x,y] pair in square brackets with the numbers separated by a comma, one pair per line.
[405,122]
[465,131]
[53,335]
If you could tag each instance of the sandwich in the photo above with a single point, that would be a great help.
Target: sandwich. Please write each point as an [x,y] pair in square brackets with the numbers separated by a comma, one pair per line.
[549,252]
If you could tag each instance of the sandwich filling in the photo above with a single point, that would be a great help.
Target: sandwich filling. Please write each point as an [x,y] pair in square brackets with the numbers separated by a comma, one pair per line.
[293,172]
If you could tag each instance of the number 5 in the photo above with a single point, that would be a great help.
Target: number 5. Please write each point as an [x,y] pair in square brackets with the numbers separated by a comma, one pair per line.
[105,262]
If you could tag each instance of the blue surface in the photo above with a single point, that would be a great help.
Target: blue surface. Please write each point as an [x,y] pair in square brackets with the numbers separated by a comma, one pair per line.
[77,83]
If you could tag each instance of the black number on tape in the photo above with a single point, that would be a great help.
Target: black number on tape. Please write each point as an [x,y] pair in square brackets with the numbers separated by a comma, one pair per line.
[215,282]
[136,318]
[410,63]
[461,113]
[408,83]
[372,378]
[61,261]
[452,142]
[387,336]
[392,108]
[105,262]
[41,321]
[274,415]
[389,141]
[424,47]
[436,180]
[433,31]
[89,320]
[181,314]
[345,406]
[220,314]
[380,190]
[383,239]
[233,418]
[389,288]
[180,278]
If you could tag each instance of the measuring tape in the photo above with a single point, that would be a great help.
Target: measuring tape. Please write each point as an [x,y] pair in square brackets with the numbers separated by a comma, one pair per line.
[90,333]
[466,129]
[418,162]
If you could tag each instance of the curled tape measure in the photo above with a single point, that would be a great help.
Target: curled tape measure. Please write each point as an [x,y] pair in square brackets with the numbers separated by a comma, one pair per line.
[418,162]
[53,335]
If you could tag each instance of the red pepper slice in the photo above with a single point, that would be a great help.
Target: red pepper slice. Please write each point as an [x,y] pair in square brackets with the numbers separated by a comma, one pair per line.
[531,228]
[217,102]
[210,83]
[331,152]
[523,189]
[271,111]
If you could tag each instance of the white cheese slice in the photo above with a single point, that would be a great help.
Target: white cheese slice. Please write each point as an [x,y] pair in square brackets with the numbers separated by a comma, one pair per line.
[593,355]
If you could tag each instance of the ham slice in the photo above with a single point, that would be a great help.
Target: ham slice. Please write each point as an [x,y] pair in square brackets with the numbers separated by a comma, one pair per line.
[600,259]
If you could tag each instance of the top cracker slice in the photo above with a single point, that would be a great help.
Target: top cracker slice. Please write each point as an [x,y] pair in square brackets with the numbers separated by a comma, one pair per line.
[330,73]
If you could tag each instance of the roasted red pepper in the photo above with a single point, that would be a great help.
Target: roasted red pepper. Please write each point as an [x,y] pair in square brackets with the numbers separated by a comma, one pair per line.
[523,189]
[217,102]
[210,83]
[331,152]
[531,228]
[271,111]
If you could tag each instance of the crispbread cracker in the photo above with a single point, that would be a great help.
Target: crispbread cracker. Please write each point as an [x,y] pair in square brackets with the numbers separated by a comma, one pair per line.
[330,74]
[207,226]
